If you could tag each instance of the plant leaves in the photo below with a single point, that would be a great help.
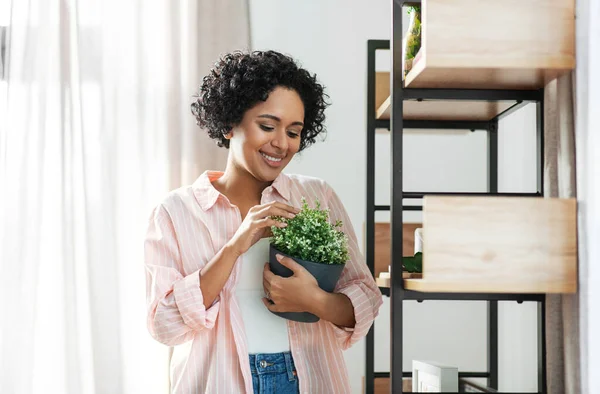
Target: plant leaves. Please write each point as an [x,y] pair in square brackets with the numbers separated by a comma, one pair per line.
[310,236]
[414,263]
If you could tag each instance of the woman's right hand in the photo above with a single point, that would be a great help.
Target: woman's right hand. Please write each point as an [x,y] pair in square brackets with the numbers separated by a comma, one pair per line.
[257,224]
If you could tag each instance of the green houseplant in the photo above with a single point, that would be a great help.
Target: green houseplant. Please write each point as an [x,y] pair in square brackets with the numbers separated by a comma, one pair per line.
[412,41]
[315,243]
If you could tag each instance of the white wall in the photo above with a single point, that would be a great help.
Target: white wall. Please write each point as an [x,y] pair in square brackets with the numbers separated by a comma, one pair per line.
[517,331]
[330,38]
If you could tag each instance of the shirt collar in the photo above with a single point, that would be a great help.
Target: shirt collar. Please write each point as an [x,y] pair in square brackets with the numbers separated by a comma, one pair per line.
[283,186]
[205,192]
[207,195]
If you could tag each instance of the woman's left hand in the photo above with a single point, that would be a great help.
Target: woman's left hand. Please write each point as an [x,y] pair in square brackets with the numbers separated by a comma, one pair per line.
[294,294]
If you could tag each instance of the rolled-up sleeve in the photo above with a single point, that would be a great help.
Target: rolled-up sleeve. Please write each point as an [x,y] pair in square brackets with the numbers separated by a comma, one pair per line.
[175,304]
[356,281]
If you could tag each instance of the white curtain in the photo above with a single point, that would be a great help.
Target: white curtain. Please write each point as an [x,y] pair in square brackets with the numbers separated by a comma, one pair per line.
[98,129]
[562,311]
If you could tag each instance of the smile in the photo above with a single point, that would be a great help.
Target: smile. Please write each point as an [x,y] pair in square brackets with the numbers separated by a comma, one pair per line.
[271,158]
[272,161]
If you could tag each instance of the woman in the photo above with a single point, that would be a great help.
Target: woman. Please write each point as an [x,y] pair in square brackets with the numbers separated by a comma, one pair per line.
[209,289]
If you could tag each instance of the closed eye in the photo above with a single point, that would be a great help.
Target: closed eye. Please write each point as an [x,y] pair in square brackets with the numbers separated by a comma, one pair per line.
[293,134]
[266,127]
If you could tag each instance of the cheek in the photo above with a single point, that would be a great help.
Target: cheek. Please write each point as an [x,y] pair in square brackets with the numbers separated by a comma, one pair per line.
[255,139]
[246,143]
[295,145]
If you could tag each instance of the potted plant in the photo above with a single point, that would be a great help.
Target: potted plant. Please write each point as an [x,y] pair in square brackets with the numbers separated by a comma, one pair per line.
[412,41]
[316,244]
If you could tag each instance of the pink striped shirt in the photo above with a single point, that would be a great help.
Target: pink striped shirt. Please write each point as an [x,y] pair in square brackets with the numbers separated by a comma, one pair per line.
[210,355]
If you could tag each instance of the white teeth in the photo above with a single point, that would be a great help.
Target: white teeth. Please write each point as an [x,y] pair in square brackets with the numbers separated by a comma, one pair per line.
[270,158]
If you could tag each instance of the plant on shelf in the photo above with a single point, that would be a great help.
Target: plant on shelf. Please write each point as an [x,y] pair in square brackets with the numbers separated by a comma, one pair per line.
[413,264]
[313,242]
[412,41]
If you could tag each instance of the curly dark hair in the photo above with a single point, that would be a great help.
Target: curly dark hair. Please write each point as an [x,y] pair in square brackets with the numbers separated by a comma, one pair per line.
[239,80]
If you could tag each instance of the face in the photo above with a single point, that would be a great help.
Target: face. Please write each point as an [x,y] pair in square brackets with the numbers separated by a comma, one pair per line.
[268,136]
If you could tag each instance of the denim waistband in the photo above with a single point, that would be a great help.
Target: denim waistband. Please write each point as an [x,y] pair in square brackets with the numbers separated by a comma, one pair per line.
[272,363]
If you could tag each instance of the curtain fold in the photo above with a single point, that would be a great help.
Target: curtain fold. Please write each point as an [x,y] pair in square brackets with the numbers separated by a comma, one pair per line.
[562,311]
[98,129]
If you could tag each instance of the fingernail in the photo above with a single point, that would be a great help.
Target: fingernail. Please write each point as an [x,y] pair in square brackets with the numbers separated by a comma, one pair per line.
[278,257]
[291,215]
[283,224]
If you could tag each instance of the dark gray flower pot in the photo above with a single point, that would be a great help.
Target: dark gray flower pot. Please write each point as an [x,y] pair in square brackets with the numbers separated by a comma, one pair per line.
[326,275]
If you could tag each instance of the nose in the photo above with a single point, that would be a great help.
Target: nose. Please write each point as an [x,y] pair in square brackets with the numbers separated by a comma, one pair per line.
[280,140]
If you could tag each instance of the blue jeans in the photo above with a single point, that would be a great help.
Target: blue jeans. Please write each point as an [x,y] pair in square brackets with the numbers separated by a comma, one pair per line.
[273,373]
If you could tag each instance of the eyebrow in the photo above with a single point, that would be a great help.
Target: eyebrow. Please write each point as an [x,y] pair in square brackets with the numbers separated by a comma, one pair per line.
[275,118]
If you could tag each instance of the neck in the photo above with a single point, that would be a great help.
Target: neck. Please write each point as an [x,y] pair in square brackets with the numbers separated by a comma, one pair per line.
[237,182]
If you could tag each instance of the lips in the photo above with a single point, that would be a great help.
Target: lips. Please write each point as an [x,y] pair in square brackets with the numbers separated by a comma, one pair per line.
[271,160]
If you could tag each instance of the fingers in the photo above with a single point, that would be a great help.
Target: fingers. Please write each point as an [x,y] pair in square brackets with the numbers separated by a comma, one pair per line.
[268,233]
[268,275]
[286,207]
[269,222]
[289,263]
[278,209]
[284,213]
[270,305]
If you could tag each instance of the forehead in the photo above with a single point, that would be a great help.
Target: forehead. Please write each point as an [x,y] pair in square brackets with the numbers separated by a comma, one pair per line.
[284,103]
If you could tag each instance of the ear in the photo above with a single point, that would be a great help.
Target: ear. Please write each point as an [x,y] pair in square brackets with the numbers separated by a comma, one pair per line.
[228,135]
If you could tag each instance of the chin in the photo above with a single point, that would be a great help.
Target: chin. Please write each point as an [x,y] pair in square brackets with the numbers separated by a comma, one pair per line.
[267,176]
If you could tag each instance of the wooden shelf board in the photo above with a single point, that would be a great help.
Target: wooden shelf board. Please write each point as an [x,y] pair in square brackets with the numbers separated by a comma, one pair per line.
[382,88]
[421,76]
[386,282]
[499,245]
[513,287]
[382,385]
[471,44]
[455,110]
[452,110]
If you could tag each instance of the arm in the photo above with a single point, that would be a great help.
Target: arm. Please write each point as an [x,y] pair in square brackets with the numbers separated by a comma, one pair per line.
[356,282]
[214,275]
[335,308]
[181,305]
[301,293]
[256,225]
[176,306]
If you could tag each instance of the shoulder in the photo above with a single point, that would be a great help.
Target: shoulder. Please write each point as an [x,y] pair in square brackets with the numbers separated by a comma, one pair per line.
[176,203]
[311,188]
[305,181]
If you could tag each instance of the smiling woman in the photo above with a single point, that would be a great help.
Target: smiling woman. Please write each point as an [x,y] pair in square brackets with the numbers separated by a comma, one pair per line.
[207,278]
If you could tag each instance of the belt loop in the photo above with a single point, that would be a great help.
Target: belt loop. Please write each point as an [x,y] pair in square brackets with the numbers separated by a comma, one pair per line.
[289,365]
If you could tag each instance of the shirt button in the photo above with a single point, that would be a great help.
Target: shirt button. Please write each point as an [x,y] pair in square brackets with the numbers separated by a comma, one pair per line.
[263,364]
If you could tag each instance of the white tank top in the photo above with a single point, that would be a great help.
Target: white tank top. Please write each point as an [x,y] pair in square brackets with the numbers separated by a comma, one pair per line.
[265,332]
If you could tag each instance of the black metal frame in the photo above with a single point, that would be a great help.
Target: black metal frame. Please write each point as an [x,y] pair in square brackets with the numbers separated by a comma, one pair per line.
[396,125]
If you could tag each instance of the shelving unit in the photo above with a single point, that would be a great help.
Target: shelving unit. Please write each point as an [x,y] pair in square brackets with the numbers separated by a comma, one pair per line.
[468,77]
